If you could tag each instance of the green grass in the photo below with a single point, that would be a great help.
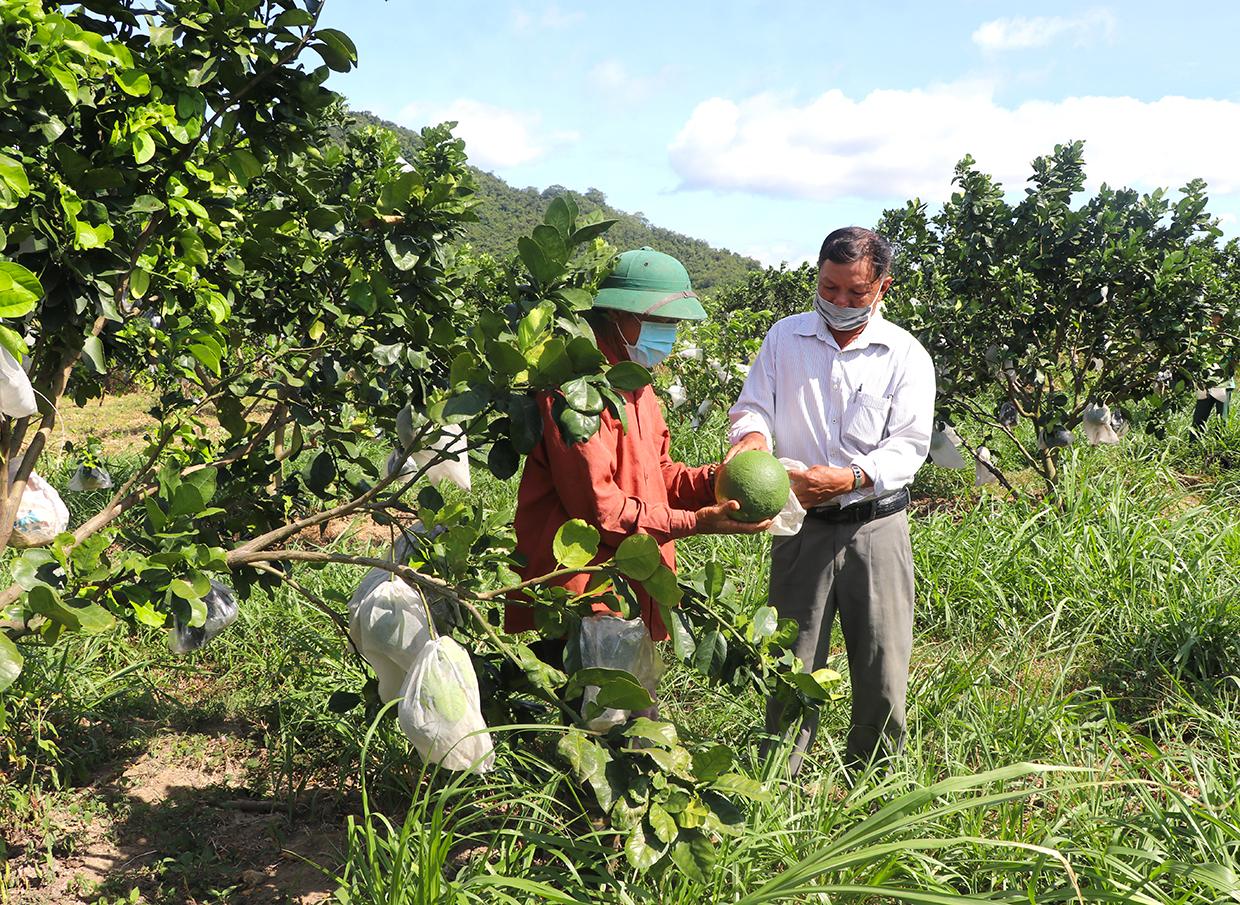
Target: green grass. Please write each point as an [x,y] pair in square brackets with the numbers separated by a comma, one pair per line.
[1099,638]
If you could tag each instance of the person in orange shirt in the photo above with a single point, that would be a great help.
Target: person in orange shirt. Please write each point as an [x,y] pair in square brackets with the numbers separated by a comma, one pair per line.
[621,481]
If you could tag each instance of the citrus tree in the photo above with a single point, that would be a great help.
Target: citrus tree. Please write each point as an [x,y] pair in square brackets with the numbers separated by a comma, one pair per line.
[1059,301]
[183,201]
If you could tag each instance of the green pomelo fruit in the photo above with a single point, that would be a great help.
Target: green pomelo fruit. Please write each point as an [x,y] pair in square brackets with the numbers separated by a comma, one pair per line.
[757,481]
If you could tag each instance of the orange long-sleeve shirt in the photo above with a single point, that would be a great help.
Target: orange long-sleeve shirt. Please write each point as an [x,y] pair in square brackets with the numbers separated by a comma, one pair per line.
[621,482]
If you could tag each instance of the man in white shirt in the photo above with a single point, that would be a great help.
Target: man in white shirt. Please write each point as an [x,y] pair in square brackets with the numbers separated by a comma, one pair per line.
[852,395]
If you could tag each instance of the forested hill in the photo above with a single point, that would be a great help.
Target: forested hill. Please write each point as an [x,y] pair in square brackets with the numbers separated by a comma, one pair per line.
[509,212]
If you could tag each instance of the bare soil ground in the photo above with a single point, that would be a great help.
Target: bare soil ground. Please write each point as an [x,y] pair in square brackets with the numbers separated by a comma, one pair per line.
[179,821]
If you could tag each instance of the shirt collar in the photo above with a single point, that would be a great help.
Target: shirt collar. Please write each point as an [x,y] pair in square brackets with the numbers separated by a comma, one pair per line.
[877,331]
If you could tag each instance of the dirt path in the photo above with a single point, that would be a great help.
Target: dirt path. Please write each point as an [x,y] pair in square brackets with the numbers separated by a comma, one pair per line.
[179,822]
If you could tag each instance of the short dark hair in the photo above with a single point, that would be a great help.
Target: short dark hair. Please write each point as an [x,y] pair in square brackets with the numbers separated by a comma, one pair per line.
[852,243]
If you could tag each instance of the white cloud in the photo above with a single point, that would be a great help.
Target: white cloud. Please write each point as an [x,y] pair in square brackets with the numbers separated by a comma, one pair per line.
[1020,33]
[612,77]
[495,137]
[901,144]
[773,255]
[550,17]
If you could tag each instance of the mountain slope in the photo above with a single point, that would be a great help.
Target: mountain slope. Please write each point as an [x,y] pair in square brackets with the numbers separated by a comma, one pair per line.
[509,212]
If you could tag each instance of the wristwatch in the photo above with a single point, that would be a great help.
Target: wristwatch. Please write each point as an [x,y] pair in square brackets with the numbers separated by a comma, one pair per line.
[858,477]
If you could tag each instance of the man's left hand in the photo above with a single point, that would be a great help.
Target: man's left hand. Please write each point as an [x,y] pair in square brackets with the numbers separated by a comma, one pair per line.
[818,485]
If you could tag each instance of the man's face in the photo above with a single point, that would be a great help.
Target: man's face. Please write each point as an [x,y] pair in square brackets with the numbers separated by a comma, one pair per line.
[850,285]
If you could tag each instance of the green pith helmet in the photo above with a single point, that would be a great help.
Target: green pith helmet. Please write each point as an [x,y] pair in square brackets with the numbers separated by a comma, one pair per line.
[646,281]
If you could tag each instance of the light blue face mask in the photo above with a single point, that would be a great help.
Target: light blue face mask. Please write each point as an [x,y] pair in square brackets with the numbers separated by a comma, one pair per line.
[842,317]
[654,344]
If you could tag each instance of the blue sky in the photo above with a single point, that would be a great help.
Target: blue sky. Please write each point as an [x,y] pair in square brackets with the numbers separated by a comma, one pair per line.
[762,126]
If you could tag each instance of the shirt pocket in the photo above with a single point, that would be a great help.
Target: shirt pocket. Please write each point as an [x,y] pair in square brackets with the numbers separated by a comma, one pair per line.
[865,420]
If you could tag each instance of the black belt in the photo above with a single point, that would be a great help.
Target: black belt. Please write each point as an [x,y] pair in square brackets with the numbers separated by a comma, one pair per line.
[860,513]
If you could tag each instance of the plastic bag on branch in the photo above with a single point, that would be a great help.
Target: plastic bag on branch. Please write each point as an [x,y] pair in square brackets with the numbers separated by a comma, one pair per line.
[88,477]
[16,394]
[41,515]
[945,447]
[451,441]
[440,710]
[221,611]
[792,516]
[984,474]
[615,643]
[1098,426]
[389,626]
[676,394]
[387,619]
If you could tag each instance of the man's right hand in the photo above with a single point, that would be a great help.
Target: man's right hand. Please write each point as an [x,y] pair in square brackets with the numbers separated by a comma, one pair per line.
[718,520]
[751,440]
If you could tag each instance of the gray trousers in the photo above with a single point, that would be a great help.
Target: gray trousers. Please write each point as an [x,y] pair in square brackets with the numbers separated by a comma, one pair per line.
[865,573]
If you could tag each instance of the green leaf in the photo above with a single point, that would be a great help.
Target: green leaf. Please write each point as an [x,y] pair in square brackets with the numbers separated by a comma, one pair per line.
[10,662]
[639,854]
[665,829]
[552,245]
[525,423]
[535,260]
[765,621]
[588,762]
[47,602]
[711,652]
[577,299]
[541,674]
[20,291]
[663,587]
[192,248]
[819,685]
[628,375]
[187,500]
[14,176]
[503,460]
[403,252]
[575,544]
[244,166]
[577,428]
[132,82]
[659,732]
[713,762]
[336,49]
[695,856]
[616,688]
[183,589]
[552,365]
[584,355]
[560,216]
[321,471]
[582,397]
[590,230]
[88,236]
[143,147]
[683,645]
[735,784]
[92,351]
[715,578]
[637,557]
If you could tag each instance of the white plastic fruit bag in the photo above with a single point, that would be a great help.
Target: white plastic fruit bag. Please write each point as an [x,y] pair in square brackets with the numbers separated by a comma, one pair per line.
[90,477]
[1098,426]
[440,710]
[676,394]
[221,611]
[611,642]
[388,625]
[945,448]
[792,516]
[41,515]
[16,394]
[983,473]
[451,440]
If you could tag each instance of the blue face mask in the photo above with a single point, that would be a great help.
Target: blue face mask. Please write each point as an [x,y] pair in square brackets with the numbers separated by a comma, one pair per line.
[654,344]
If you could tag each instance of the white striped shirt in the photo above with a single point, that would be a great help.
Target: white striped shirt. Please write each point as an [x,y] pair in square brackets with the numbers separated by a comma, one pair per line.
[870,404]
